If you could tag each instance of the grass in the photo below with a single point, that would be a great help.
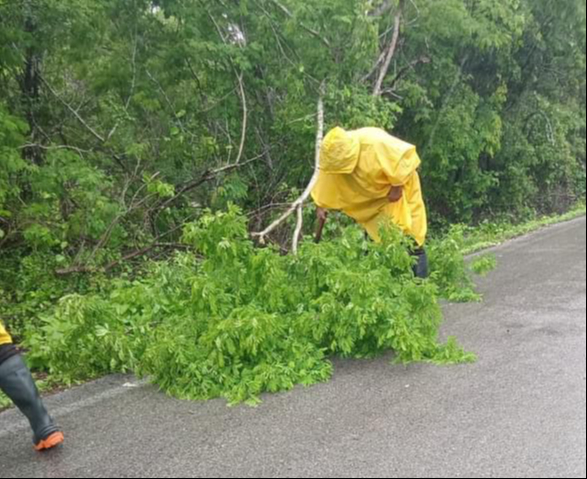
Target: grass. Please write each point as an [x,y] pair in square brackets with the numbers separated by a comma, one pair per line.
[488,235]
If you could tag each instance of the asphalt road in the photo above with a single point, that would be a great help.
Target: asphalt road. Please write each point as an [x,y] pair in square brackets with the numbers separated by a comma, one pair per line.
[518,412]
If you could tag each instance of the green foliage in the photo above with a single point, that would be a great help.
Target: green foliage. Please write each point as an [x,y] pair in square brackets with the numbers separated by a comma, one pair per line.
[358,108]
[12,132]
[448,267]
[243,321]
[452,353]
[27,291]
[484,264]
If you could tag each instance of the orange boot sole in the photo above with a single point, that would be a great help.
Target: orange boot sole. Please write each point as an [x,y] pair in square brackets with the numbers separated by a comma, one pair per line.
[54,440]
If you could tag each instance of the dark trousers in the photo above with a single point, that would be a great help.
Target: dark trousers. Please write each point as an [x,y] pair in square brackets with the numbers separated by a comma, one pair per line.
[421,268]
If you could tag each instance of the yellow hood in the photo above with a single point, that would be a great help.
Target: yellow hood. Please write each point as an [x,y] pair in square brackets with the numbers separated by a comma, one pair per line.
[340,152]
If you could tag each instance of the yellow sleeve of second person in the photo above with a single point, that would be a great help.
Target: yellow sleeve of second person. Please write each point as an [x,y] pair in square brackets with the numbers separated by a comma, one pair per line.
[4,336]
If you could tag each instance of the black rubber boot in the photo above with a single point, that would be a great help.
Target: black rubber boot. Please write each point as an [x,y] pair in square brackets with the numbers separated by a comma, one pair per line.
[421,267]
[18,384]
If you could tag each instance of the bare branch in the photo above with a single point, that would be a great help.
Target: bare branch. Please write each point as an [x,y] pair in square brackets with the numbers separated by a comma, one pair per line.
[299,203]
[167,99]
[156,243]
[208,176]
[298,230]
[73,111]
[239,77]
[375,67]
[263,209]
[550,135]
[245,118]
[135,254]
[391,50]
[134,73]
[56,147]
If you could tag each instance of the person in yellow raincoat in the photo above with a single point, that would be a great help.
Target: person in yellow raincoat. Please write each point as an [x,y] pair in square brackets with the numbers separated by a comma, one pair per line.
[373,177]
[17,383]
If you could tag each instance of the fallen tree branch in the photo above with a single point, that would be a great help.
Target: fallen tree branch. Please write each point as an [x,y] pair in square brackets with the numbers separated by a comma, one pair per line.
[141,252]
[298,205]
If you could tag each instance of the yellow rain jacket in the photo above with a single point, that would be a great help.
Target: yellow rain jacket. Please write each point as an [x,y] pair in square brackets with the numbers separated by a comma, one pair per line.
[4,336]
[357,171]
